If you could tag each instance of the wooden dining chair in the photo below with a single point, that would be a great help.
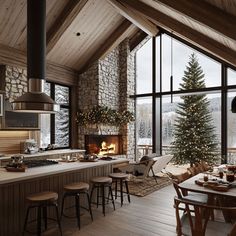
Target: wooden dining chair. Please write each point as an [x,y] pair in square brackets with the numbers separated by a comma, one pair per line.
[191,197]
[199,218]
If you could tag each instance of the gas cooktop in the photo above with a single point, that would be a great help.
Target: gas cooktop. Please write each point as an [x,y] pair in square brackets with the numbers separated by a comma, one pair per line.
[30,163]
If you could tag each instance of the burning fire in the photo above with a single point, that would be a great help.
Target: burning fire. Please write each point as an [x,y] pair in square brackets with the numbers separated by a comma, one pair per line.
[106,149]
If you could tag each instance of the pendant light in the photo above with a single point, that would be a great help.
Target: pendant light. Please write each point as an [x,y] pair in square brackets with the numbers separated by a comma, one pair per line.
[233,105]
[35,101]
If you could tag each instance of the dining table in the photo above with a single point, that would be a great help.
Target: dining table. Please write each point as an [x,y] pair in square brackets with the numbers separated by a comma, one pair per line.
[190,185]
[225,197]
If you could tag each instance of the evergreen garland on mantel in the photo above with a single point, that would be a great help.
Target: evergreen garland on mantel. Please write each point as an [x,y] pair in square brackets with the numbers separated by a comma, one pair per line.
[104,115]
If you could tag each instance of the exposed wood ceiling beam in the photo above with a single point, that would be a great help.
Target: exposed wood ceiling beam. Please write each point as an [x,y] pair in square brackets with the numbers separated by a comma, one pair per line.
[137,39]
[15,57]
[63,21]
[178,28]
[133,16]
[205,13]
[115,38]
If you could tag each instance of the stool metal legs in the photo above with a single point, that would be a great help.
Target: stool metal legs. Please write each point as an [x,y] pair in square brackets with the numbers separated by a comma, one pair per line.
[89,205]
[102,187]
[127,190]
[39,221]
[42,208]
[112,198]
[45,217]
[77,204]
[122,181]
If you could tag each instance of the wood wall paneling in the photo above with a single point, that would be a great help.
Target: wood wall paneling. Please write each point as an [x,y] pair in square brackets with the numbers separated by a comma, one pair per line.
[206,14]
[114,39]
[10,141]
[13,20]
[95,22]
[54,72]
[228,6]
[64,20]
[12,212]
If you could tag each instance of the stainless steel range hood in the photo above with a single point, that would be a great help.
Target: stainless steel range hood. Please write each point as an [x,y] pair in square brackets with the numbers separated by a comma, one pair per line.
[35,101]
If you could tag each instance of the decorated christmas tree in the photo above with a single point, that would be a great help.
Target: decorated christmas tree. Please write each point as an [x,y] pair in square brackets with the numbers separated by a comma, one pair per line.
[194,138]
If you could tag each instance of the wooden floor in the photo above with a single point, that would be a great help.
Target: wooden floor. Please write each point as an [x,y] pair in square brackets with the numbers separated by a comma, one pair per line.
[146,216]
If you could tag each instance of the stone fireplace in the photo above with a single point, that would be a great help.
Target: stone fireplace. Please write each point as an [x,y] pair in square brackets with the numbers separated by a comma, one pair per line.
[103,144]
[109,82]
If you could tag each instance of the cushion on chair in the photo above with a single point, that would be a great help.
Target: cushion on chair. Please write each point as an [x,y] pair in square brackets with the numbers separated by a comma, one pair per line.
[145,159]
[192,170]
[205,166]
[179,178]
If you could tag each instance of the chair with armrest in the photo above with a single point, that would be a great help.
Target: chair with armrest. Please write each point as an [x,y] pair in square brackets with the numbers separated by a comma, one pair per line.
[199,218]
[146,164]
[160,163]
[192,197]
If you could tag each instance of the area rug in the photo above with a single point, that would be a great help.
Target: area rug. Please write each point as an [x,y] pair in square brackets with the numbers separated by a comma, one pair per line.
[143,187]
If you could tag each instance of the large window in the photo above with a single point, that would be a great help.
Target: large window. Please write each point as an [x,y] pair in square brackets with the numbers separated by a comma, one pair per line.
[231,129]
[144,126]
[144,69]
[55,128]
[175,57]
[170,64]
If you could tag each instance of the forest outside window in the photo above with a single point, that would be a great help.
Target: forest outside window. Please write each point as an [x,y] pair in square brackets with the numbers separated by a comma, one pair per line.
[55,128]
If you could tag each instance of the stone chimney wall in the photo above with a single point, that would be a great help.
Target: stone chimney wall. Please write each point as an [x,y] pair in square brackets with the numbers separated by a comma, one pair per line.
[110,82]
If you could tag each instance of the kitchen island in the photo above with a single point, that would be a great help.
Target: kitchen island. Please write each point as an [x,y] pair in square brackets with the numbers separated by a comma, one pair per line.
[15,186]
[52,154]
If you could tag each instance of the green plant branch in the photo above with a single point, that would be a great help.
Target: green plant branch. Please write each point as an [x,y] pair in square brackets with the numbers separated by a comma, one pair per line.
[104,115]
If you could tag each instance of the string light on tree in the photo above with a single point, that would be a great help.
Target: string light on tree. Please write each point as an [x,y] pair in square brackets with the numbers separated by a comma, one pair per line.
[194,134]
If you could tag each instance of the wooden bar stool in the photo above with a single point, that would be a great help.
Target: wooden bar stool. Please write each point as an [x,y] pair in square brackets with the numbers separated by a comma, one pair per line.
[42,201]
[122,178]
[101,183]
[74,190]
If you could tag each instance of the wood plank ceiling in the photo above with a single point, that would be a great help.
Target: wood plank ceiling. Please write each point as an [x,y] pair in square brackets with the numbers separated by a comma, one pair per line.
[103,24]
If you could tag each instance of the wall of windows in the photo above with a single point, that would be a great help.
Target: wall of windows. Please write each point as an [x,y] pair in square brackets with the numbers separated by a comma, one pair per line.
[144,126]
[55,128]
[160,80]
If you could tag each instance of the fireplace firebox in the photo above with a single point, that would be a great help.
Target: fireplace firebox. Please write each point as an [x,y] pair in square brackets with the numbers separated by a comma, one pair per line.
[103,144]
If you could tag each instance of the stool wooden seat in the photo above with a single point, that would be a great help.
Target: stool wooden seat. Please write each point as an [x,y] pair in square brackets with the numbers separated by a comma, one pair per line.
[123,179]
[41,201]
[102,180]
[74,190]
[77,187]
[100,183]
[43,196]
[118,175]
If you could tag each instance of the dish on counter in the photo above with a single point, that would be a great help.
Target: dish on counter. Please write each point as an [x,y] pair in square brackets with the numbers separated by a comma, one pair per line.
[15,167]
[67,161]
[215,184]
[89,160]
[107,158]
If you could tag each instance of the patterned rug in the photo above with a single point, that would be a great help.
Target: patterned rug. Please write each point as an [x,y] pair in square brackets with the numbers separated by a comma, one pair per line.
[143,187]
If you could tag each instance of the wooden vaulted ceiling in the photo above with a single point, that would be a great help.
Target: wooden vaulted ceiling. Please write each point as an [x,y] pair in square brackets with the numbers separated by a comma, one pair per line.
[103,24]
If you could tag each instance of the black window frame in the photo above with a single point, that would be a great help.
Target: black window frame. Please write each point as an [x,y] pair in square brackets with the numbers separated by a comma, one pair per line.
[157,107]
[52,116]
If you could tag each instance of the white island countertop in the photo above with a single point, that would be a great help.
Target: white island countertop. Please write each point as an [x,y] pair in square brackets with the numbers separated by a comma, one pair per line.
[62,167]
[47,153]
